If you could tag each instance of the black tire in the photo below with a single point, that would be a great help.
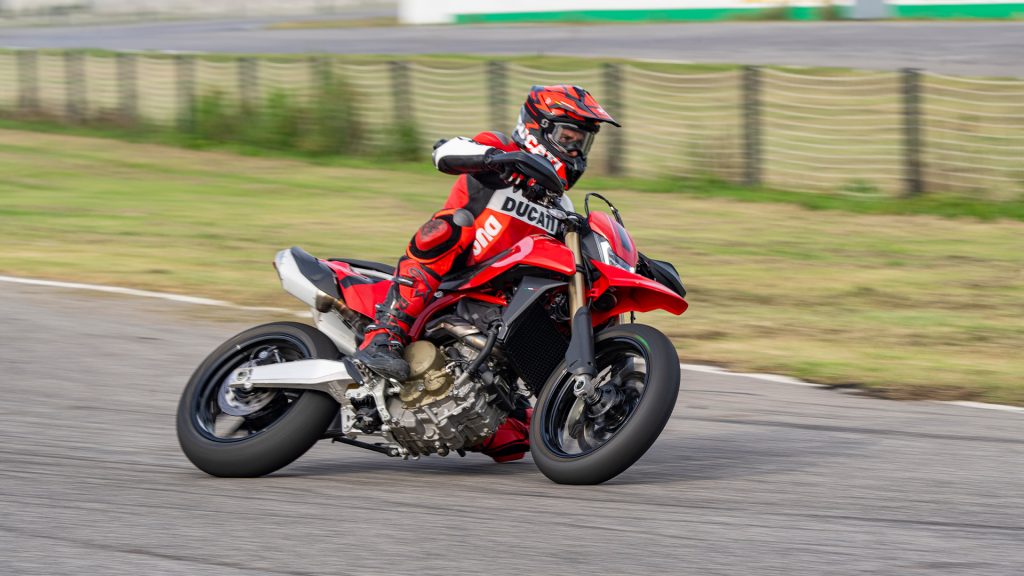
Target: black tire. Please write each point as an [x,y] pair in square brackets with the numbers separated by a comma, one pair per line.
[641,415]
[284,429]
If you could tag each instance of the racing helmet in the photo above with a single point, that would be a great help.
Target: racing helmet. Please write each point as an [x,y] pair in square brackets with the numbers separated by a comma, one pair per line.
[559,123]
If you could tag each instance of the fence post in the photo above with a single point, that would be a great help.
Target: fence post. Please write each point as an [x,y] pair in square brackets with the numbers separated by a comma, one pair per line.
[127,87]
[322,73]
[74,85]
[185,67]
[913,181]
[248,83]
[613,99]
[28,80]
[401,88]
[752,125]
[497,78]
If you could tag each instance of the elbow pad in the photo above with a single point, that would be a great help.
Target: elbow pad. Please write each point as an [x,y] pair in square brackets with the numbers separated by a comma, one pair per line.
[462,156]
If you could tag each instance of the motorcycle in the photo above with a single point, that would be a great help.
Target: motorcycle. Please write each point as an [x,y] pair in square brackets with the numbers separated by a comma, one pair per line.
[550,318]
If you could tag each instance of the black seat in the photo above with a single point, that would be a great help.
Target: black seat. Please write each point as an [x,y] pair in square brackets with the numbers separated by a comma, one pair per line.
[383,268]
[316,271]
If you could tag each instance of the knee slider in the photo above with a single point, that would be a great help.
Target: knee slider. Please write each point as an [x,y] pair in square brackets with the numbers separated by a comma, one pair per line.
[434,238]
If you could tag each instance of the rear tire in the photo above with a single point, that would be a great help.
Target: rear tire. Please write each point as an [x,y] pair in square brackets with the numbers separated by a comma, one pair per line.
[282,425]
[645,402]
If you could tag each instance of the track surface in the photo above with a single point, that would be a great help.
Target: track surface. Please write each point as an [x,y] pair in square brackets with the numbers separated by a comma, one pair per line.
[985,48]
[750,477]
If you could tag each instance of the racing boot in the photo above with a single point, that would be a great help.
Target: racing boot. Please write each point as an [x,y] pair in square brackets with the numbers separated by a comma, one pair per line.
[384,341]
[381,352]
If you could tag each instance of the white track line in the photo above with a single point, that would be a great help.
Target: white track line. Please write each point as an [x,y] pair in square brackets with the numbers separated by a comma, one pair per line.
[141,293]
[985,406]
[778,379]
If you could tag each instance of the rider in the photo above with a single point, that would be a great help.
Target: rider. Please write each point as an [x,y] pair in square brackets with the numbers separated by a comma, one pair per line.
[557,123]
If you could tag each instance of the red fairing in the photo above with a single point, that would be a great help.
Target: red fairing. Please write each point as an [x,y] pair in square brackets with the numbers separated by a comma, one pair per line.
[633,293]
[536,250]
[362,293]
[622,243]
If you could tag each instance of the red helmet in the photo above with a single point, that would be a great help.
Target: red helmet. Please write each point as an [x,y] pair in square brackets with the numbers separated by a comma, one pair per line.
[559,123]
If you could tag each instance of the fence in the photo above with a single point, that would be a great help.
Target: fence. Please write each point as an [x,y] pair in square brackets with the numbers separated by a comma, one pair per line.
[871,133]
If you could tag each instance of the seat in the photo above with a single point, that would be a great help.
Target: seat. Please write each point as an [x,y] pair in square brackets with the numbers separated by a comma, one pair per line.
[316,271]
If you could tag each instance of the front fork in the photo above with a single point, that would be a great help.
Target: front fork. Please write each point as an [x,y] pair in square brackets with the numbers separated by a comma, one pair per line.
[579,358]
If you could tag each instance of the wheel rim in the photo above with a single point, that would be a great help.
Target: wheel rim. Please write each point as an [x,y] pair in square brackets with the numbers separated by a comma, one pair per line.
[570,428]
[224,414]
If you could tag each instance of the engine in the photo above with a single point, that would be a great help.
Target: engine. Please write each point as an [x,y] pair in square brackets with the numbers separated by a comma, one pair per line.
[436,411]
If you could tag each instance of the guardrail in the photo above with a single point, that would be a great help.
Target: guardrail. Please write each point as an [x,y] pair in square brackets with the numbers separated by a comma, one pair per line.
[853,132]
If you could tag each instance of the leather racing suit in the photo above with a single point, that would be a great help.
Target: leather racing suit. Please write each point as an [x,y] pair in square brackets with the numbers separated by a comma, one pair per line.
[483,216]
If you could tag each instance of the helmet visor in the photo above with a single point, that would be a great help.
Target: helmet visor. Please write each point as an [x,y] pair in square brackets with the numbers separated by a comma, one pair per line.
[569,138]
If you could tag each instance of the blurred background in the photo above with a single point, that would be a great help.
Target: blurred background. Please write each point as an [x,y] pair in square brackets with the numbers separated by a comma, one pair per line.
[840,185]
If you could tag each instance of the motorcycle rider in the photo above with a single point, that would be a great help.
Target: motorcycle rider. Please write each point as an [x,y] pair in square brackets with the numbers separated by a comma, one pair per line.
[556,123]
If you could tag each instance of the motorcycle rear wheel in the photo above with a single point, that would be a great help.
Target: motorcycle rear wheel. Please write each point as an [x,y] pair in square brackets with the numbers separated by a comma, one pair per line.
[230,433]
[575,443]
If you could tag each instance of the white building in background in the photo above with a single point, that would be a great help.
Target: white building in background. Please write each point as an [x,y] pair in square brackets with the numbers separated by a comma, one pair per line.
[184,7]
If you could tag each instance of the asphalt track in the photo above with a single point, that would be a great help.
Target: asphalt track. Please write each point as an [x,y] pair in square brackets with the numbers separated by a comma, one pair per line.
[750,477]
[967,48]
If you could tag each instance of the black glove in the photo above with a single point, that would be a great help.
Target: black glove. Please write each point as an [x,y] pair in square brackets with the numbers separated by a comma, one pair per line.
[525,171]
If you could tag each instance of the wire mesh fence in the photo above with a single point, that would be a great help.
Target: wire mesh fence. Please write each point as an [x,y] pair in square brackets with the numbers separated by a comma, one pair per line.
[864,133]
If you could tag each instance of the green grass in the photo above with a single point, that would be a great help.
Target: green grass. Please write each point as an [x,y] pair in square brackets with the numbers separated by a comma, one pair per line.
[905,306]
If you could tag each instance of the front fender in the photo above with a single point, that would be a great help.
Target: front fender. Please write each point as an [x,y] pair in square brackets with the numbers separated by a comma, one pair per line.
[632,293]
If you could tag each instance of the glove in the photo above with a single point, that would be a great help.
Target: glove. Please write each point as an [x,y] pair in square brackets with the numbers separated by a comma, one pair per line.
[504,163]
[524,171]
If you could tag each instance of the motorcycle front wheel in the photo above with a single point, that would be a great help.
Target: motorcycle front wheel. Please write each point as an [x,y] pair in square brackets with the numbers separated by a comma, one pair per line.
[235,433]
[576,442]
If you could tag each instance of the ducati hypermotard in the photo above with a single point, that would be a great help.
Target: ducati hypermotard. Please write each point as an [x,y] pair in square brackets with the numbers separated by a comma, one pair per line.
[549,319]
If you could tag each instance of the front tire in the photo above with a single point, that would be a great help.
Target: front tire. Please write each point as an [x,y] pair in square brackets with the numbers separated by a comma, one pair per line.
[573,443]
[230,433]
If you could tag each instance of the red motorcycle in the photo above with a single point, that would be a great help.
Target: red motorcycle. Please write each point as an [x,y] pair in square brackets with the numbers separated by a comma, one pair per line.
[550,317]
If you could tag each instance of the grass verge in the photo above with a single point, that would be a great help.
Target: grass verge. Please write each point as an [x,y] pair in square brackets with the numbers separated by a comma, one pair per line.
[906,306]
[935,204]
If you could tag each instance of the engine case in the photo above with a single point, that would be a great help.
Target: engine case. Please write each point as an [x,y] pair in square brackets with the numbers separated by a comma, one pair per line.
[433,416]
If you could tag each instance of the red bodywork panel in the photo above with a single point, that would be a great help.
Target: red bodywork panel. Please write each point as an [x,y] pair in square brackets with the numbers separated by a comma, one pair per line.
[622,243]
[633,293]
[536,250]
[362,292]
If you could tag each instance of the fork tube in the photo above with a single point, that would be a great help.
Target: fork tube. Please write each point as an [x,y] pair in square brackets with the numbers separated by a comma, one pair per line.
[577,288]
[579,357]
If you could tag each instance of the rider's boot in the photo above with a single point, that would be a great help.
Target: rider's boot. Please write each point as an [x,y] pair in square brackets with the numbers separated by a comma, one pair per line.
[411,290]
[383,342]
[381,352]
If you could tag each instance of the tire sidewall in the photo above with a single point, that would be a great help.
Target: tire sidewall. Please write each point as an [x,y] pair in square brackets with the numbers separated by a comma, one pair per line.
[280,443]
[643,427]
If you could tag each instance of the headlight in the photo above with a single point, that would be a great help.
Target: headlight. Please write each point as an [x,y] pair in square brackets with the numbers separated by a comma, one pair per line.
[608,255]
